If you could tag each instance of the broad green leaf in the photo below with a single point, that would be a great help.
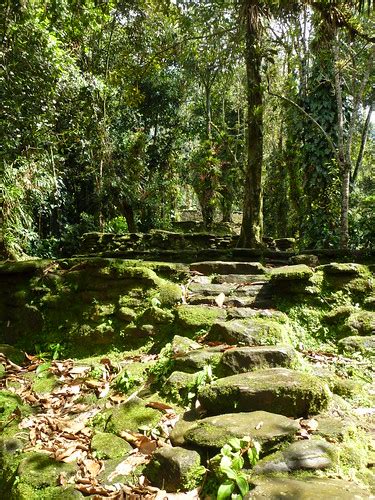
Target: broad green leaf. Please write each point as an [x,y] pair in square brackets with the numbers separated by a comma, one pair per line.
[230,473]
[225,490]
[235,443]
[242,484]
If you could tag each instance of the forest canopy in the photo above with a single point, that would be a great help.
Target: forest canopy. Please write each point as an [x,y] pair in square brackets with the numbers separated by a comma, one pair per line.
[117,115]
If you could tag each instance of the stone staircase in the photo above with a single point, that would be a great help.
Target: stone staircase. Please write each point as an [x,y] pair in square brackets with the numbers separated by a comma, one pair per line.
[263,388]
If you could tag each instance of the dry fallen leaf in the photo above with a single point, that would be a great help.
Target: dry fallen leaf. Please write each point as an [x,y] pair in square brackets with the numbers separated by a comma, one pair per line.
[220,299]
[128,465]
[158,406]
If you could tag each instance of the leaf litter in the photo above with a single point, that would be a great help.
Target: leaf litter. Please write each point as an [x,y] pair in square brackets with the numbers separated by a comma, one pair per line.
[59,426]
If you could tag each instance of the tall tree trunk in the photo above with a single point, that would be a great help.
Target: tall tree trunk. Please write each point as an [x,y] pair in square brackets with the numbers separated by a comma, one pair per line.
[343,157]
[252,223]
[362,147]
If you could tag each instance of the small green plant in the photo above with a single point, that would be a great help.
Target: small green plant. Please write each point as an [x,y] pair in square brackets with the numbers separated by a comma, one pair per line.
[202,378]
[163,367]
[124,382]
[228,467]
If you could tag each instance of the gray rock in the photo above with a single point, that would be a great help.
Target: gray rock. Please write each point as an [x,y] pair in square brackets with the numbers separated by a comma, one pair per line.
[308,259]
[213,432]
[220,267]
[245,359]
[248,312]
[280,390]
[182,345]
[174,469]
[240,279]
[197,359]
[285,243]
[308,488]
[251,332]
[301,455]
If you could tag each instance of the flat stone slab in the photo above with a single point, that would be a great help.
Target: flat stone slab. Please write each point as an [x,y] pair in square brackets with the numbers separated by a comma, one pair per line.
[251,332]
[342,269]
[197,359]
[306,489]
[310,454]
[248,312]
[299,272]
[266,428]
[244,359]
[239,279]
[222,267]
[225,288]
[279,390]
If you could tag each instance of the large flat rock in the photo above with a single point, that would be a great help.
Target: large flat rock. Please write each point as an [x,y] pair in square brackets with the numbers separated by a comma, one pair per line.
[249,332]
[278,390]
[311,454]
[308,488]
[222,267]
[245,359]
[266,428]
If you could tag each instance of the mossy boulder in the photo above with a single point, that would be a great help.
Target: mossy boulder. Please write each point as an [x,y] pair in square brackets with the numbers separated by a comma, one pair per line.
[15,355]
[11,404]
[343,269]
[37,471]
[288,392]
[182,345]
[250,332]
[128,416]
[369,303]
[313,454]
[44,383]
[362,323]
[155,316]
[191,319]
[267,428]
[299,272]
[307,488]
[307,259]
[245,359]
[105,445]
[178,385]
[356,343]
[175,469]
[197,359]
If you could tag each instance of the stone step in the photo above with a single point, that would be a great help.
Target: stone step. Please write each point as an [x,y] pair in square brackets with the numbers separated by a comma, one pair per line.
[223,267]
[228,290]
[233,301]
[314,454]
[280,390]
[240,279]
[268,429]
[245,359]
[249,332]
[308,488]
[249,312]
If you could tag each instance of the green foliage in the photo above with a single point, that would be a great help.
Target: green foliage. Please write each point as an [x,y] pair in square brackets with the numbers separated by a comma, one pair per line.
[125,382]
[228,467]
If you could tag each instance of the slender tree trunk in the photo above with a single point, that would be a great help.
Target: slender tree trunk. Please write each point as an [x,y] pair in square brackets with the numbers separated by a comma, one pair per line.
[252,223]
[362,147]
[344,159]
[129,216]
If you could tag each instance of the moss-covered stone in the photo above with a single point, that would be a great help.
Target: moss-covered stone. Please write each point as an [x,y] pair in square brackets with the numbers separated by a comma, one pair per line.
[308,488]
[15,355]
[279,390]
[268,429]
[197,359]
[175,469]
[364,345]
[245,359]
[128,416]
[307,259]
[156,316]
[249,332]
[126,314]
[169,293]
[313,454]
[362,323]
[11,404]
[179,384]
[38,471]
[105,446]
[221,267]
[182,345]
[191,319]
[343,269]
[44,383]
[299,272]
